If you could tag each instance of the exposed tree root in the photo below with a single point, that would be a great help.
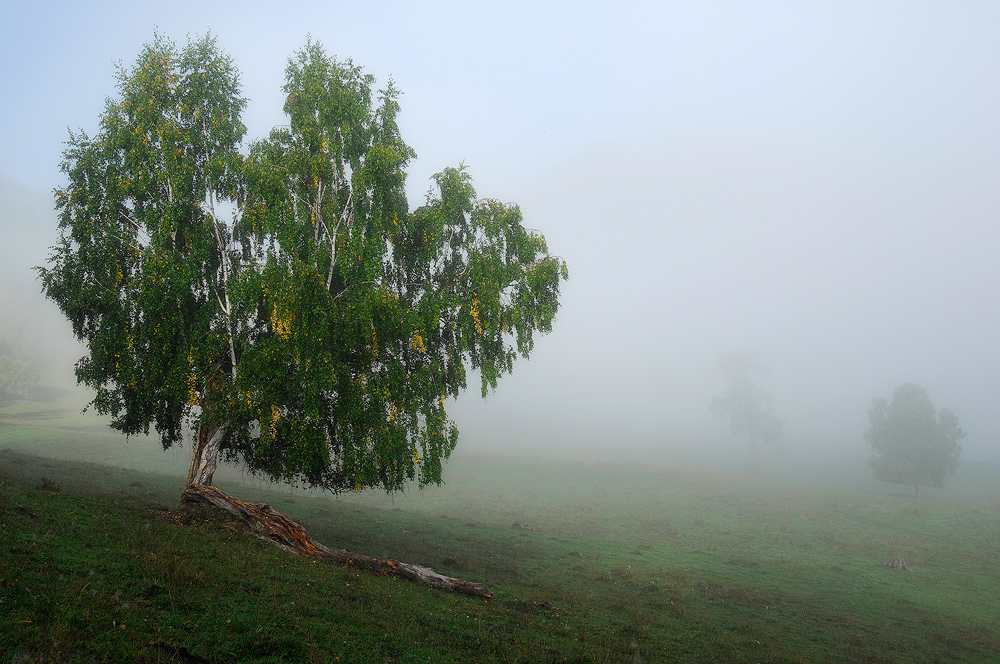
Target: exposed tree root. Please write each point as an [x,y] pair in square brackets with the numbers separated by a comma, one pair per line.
[544,604]
[270,525]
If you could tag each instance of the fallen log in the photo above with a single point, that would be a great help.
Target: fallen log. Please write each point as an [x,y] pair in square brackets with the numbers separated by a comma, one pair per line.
[270,525]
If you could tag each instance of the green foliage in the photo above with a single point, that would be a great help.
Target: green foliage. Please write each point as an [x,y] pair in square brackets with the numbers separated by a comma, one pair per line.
[912,443]
[323,325]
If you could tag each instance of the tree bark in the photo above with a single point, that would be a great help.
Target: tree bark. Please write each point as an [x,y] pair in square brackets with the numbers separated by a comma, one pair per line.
[270,525]
[205,458]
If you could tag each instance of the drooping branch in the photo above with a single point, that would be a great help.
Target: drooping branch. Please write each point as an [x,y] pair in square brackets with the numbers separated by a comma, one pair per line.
[270,525]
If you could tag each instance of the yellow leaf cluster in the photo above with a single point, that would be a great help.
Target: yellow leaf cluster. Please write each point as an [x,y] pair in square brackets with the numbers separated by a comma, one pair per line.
[474,311]
[282,326]
[273,427]
[418,342]
[192,393]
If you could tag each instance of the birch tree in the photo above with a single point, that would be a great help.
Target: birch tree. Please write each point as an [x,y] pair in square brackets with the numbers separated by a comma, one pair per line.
[282,300]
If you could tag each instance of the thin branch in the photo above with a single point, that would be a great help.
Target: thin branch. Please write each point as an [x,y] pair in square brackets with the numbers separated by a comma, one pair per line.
[140,234]
[224,254]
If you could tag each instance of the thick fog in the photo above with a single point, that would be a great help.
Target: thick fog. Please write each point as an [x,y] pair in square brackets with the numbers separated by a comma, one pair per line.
[847,276]
[819,184]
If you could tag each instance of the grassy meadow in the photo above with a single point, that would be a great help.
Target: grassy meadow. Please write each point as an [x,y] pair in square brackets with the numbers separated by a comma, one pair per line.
[644,562]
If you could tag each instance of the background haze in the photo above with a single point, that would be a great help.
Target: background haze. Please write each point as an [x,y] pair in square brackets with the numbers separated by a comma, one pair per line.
[818,183]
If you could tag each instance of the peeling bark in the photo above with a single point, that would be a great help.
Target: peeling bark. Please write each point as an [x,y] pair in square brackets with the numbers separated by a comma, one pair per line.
[205,458]
[270,525]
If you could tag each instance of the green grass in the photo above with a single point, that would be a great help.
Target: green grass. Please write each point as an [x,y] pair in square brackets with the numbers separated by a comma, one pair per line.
[653,563]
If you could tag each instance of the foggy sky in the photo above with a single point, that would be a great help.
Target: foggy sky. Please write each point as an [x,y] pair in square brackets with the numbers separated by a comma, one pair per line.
[817,183]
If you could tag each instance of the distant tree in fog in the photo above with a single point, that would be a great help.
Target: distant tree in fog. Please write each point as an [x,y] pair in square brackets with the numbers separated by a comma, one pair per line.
[18,378]
[18,370]
[745,405]
[912,443]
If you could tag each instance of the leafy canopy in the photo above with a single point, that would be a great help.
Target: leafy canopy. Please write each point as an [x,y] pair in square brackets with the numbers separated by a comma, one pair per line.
[285,293]
[913,444]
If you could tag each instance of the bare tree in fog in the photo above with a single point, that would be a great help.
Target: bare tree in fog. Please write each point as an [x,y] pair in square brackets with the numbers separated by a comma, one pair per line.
[912,443]
[746,405]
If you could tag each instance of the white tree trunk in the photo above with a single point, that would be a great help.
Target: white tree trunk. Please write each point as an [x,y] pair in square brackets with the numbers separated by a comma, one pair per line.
[206,454]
